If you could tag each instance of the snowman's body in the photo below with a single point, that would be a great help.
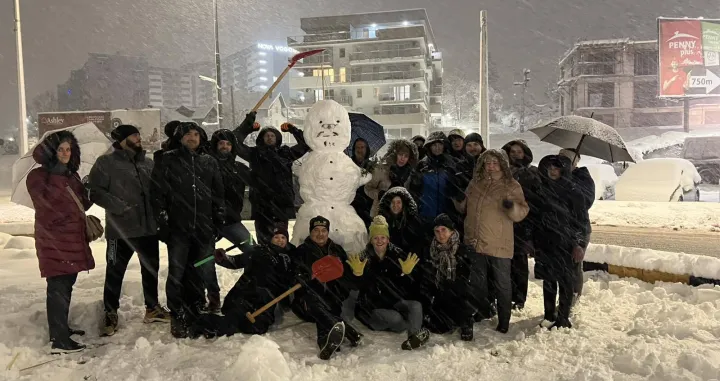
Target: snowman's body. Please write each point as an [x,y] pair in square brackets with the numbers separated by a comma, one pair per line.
[328,178]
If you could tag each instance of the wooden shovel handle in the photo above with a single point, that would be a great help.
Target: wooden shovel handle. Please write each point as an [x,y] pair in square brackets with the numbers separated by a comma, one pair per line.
[252,316]
[270,90]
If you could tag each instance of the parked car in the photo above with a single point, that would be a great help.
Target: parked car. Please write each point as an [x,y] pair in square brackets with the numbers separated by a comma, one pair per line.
[605,178]
[659,180]
[704,153]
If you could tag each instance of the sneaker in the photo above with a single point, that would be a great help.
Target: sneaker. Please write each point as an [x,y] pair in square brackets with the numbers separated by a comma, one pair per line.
[178,326]
[76,332]
[110,324]
[466,333]
[157,314]
[354,337]
[417,340]
[332,341]
[66,346]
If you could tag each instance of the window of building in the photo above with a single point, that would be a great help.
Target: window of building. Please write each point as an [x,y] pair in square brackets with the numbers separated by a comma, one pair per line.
[342,52]
[376,92]
[399,133]
[646,62]
[601,94]
[319,95]
[327,73]
[359,93]
[342,75]
[598,63]
[401,93]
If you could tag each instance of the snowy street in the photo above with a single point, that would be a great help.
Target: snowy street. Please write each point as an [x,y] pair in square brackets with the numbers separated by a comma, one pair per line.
[624,330]
[691,242]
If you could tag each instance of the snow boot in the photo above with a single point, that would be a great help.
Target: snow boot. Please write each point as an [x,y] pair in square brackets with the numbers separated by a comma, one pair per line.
[110,324]
[157,314]
[77,332]
[502,328]
[466,332]
[178,326]
[518,306]
[332,341]
[66,346]
[213,306]
[353,337]
[548,320]
[561,323]
[417,340]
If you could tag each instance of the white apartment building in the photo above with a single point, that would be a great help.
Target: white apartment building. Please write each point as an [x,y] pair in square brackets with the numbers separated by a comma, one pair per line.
[170,88]
[385,65]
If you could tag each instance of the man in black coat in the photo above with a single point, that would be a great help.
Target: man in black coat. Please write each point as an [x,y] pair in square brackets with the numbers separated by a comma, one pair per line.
[586,185]
[271,192]
[188,196]
[119,182]
[527,175]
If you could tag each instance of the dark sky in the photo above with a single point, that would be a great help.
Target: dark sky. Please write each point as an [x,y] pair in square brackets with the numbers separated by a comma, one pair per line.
[58,34]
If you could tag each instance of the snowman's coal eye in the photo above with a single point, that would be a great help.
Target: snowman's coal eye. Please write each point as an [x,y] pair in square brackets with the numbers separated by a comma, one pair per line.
[320,122]
[338,121]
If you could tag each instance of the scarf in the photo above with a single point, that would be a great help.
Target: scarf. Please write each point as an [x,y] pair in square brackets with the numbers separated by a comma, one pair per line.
[443,258]
[59,169]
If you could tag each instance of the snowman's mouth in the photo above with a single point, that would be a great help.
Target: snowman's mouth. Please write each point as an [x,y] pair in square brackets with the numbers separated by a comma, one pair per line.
[326,134]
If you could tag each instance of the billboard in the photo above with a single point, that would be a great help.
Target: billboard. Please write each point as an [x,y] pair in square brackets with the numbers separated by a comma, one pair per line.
[688,58]
[146,120]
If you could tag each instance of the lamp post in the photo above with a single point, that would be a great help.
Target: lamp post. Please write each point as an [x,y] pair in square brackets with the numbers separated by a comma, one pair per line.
[524,84]
[218,69]
[218,90]
[22,110]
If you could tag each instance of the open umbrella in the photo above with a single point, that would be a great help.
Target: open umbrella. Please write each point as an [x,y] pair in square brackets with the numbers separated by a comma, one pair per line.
[92,141]
[368,129]
[589,136]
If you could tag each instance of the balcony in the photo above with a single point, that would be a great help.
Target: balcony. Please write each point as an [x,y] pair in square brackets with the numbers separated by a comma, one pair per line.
[399,119]
[322,59]
[367,34]
[349,79]
[436,91]
[344,100]
[395,98]
[387,55]
[435,109]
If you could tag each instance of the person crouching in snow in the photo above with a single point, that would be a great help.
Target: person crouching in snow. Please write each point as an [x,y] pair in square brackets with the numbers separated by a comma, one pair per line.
[268,273]
[559,237]
[322,303]
[384,271]
[448,282]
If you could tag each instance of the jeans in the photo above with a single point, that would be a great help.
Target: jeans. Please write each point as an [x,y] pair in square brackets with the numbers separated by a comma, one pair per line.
[348,306]
[238,234]
[119,252]
[184,283]
[499,270]
[59,292]
[406,315]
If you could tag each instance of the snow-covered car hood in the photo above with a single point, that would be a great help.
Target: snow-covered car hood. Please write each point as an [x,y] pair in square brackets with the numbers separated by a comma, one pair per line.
[656,180]
[604,176]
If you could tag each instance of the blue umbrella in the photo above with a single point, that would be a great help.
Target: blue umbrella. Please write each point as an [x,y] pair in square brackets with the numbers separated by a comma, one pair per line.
[368,129]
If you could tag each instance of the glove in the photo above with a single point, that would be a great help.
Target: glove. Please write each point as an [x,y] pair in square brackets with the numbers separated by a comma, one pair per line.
[249,120]
[285,127]
[256,126]
[220,255]
[356,264]
[578,254]
[507,204]
[409,263]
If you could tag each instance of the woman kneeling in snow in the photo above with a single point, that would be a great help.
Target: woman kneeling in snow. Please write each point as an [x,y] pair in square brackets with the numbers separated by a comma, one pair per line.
[384,284]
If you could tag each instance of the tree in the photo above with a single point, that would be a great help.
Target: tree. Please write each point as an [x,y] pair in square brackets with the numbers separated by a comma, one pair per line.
[460,99]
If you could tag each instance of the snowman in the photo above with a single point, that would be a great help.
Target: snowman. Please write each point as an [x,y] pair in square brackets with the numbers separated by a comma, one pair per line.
[328,178]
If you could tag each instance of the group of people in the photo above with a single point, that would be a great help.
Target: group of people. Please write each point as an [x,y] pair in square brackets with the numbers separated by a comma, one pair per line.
[451,225]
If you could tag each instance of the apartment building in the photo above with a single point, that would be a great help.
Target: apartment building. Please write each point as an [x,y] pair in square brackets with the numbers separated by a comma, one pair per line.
[170,88]
[385,65]
[616,81]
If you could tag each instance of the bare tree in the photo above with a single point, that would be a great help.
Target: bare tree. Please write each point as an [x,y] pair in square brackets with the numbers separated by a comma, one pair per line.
[461,95]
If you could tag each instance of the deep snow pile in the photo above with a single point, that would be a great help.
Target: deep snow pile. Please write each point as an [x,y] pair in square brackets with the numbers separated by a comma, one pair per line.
[625,330]
[671,215]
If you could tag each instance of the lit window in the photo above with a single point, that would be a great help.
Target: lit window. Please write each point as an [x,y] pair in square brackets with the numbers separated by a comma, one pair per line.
[301,74]
[374,25]
[263,79]
[342,75]
[263,70]
[262,62]
[262,53]
[263,87]
[405,23]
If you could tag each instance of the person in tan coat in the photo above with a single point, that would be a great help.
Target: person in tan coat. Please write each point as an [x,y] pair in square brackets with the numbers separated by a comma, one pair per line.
[397,165]
[494,202]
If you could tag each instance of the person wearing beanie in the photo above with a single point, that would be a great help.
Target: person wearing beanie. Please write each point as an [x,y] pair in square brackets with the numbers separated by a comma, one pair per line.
[272,193]
[586,185]
[474,145]
[434,183]
[394,171]
[189,204]
[119,182]
[448,281]
[385,274]
[169,144]
[323,303]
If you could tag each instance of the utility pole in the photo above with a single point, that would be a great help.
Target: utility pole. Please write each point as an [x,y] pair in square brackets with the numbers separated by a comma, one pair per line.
[524,84]
[483,100]
[218,68]
[232,105]
[22,107]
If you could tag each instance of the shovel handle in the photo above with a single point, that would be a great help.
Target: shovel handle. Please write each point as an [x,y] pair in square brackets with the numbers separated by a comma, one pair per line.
[252,316]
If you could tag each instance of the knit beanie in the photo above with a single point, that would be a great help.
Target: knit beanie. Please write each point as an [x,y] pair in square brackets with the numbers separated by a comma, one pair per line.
[319,221]
[456,133]
[379,227]
[444,220]
[474,137]
[170,128]
[281,230]
[122,131]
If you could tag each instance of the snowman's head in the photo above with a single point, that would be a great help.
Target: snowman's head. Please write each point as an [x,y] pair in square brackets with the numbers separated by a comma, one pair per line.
[327,127]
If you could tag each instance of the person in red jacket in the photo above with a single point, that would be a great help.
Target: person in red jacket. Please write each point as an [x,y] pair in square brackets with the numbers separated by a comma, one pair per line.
[62,248]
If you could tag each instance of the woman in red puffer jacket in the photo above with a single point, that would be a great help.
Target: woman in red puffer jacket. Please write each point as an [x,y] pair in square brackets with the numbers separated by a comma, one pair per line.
[60,241]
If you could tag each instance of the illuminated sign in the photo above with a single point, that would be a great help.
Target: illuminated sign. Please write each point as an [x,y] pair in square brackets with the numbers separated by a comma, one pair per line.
[277,48]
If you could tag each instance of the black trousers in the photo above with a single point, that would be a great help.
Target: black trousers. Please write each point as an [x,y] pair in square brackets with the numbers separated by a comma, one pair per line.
[119,252]
[59,292]
[184,284]
[313,308]
[499,273]
[520,272]
[560,286]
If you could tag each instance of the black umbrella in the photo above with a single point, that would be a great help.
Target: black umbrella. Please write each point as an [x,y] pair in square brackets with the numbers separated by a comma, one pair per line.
[368,129]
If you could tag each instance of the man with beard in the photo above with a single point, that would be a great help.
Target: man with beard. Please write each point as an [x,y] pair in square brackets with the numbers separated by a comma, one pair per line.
[474,146]
[527,175]
[272,194]
[119,182]
[188,195]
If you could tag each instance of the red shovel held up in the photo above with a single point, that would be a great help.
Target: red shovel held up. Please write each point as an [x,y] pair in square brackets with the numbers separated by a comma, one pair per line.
[325,269]
[292,63]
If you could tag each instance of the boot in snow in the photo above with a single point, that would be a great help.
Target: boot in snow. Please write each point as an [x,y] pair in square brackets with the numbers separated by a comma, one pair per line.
[549,320]
[66,346]
[417,340]
[110,324]
[502,328]
[213,306]
[561,323]
[332,341]
[178,326]
[157,314]
[466,332]
[354,337]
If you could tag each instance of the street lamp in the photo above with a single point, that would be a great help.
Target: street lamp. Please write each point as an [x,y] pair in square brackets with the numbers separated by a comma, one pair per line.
[22,111]
[524,84]
[218,69]
[217,90]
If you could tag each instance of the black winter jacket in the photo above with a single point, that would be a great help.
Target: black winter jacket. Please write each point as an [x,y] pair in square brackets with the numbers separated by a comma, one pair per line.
[305,255]
[383,283]
[120,183]
[465,285]
[529,178]
[586,185]
[235,176]
[406,230]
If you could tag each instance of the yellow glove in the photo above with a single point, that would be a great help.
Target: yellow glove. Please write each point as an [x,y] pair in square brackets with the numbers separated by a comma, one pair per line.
[356,264]
[409,263]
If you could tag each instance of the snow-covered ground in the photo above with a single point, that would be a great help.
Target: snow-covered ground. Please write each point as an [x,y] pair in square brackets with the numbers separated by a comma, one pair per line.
[624,330]
[672,215]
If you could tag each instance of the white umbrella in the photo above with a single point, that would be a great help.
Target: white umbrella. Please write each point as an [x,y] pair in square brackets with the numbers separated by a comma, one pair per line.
[589,136]
[92,141]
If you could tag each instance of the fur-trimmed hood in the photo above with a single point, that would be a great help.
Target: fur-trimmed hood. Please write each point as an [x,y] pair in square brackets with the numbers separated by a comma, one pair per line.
[502,158]
[409,206]
[390,157]
[45,153]
[560,161]
[528,152]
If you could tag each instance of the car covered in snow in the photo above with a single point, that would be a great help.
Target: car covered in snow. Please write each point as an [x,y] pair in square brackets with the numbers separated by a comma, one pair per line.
[605,178]
[659,180]
[704,153]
